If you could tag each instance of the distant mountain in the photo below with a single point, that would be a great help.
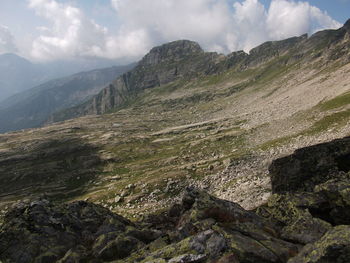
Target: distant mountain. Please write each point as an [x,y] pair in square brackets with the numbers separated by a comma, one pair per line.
[174,61]
[18,74]
[33,107]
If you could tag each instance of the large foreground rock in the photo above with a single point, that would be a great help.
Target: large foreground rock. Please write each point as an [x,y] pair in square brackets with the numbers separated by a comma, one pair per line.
[202,228]
[309,166]
[42,231]
[333,247]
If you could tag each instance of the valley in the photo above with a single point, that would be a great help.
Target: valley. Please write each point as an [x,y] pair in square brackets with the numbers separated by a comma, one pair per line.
[216,129]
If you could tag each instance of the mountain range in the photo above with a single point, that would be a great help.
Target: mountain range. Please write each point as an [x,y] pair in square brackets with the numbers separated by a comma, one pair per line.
[18,74]
[265,131]
[33,107]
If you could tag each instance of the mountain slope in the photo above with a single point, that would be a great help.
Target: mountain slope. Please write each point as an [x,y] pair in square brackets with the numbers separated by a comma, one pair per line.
[33,107]
[166,126]
[186,60]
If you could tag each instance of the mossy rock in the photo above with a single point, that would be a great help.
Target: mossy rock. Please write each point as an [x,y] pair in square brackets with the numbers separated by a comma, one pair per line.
[333,247]
[295,221]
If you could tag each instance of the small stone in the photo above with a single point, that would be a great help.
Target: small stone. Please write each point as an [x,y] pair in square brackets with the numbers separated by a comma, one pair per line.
[187,258]
[227,162]
[117,177]
[118,199]
[125,193]
[130,186]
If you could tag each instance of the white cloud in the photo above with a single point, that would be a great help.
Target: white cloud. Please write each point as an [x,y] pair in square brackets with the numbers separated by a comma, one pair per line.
[166,20]
[72,33]
[75,35]
[215,24]
[287,18]
[218,26]
[7,43]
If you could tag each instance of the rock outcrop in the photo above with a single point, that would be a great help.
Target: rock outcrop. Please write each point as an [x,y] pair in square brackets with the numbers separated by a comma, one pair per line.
[40,231]
[302,227]
[310,223]
[310,166]
[173,61]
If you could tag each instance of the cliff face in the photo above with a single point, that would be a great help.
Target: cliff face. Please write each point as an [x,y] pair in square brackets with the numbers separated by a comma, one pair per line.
[309,166]
[162,65]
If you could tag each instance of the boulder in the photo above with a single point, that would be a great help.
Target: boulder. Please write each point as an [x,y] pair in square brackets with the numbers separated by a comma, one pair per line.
[291,214]
[310,166]
[43,231]
[333,247]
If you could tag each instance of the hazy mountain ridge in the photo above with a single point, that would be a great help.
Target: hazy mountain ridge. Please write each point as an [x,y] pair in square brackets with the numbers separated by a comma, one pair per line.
[33,107]
[18,74]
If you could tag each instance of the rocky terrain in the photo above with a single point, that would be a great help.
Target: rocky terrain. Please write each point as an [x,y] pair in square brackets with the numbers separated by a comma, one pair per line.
[184,117]
[309,223]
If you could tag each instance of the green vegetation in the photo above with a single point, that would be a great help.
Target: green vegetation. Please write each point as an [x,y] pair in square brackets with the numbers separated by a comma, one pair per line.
[276,142]
[337,102]
[329,121]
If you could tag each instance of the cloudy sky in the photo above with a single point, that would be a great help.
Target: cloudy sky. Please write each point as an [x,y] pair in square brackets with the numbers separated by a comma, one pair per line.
[49,30]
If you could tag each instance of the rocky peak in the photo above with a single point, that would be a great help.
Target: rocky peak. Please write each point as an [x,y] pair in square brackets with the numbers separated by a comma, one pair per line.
[272,49]
[172,51]
[276,47]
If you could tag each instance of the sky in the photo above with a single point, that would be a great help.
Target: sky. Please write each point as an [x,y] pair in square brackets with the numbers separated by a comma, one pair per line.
[51,30]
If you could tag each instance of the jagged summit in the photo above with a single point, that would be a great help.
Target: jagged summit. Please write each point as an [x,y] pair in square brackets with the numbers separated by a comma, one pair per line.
[281,45]
[171,51]
[176,60]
